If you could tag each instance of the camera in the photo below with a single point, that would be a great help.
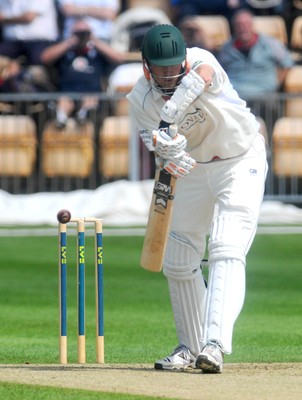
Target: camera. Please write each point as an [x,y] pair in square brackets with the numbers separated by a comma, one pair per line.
[83,37]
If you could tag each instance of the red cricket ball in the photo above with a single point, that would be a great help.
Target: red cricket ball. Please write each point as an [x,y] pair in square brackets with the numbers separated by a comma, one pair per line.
[63,216]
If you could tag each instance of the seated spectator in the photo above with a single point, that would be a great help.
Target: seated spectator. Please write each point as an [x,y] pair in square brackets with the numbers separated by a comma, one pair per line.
[28,27]
[15,78]
[98,14]
[81,61]
[255,63]
[182,8]
[9,69]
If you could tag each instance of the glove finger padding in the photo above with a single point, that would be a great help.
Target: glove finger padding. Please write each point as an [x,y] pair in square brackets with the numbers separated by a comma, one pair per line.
[168,147]
[180,166]
[159,162]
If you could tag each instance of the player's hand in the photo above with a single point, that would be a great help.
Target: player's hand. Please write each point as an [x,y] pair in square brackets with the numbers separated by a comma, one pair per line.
[167,147]
[179,166]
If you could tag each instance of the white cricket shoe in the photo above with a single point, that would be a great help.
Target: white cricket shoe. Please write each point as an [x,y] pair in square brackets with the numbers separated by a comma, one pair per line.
[181,358]
[210,360]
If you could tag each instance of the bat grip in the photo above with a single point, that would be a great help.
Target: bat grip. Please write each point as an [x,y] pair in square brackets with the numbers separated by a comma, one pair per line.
[163,124]
[173,130]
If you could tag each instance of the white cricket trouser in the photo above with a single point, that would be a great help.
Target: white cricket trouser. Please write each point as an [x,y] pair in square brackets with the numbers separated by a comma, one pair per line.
[223,199]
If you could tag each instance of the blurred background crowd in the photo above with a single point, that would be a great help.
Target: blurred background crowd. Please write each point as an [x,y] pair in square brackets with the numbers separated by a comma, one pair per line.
[69,52]
[49,45]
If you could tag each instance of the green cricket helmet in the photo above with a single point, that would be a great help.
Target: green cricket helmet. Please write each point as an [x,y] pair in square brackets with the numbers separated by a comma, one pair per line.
[164,45]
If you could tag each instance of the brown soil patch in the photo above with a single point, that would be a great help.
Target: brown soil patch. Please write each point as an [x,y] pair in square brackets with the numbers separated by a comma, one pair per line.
[237,381]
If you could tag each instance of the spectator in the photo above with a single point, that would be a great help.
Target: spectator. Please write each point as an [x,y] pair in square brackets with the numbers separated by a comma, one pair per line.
[256,63]
[28,27]
[81,61]
[182,8]
[98,14]
[16,78]
[9,69]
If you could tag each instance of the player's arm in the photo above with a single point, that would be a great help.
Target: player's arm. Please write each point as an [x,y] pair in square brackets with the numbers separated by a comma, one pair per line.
[108,51]
[191,86]
[72,10]
[52,53]
[206,72]
[171,153]
[25,18]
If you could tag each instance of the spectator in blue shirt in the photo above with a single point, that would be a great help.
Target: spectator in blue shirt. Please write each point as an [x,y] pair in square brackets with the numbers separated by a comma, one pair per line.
[81,61]
[256,65]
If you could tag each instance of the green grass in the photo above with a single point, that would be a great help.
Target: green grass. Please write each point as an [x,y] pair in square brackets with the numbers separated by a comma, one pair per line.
[15,391]
[269,327]
[139,325]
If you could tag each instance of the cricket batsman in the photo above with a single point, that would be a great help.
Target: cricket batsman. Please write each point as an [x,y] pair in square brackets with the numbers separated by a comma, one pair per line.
[219,159]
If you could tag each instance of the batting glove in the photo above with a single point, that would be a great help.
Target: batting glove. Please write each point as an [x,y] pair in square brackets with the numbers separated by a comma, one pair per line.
[179,166]
[167,147]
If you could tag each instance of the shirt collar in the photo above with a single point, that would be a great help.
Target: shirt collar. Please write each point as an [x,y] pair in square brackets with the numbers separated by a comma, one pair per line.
[156,94]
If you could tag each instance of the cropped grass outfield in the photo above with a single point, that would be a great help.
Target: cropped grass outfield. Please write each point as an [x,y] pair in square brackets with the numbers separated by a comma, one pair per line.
[139,326]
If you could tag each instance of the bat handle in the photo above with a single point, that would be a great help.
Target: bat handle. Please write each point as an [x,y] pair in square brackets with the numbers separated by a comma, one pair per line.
[173,130]
[163,124]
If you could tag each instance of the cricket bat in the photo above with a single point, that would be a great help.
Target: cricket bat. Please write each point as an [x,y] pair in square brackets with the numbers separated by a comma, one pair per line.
[158,221]
[159,218]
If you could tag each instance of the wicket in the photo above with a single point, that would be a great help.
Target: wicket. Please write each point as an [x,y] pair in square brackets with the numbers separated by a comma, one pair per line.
[98,231]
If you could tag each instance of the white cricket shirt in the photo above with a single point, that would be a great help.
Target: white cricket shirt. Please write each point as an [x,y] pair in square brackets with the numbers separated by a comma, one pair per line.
[216,124]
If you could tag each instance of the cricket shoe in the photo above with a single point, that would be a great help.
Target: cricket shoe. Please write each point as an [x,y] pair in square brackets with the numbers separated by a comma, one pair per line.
[210,360]
[181,358]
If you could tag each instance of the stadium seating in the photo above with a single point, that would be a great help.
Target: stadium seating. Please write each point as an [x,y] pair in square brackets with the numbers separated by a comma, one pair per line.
[296,34]
[18,145]
[216,27]
[296,39]
[293,85]
[287,147]
[272,25]
[69,151]
[114,147]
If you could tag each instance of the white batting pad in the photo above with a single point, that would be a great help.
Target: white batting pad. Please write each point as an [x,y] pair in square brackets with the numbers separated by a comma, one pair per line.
[188,304]
[226,292]
[187,291]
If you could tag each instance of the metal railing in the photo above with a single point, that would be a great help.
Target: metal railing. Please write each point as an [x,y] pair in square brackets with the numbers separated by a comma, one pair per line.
[121,155]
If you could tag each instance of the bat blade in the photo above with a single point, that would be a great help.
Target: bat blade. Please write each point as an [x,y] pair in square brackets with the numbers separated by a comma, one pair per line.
[158,222]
